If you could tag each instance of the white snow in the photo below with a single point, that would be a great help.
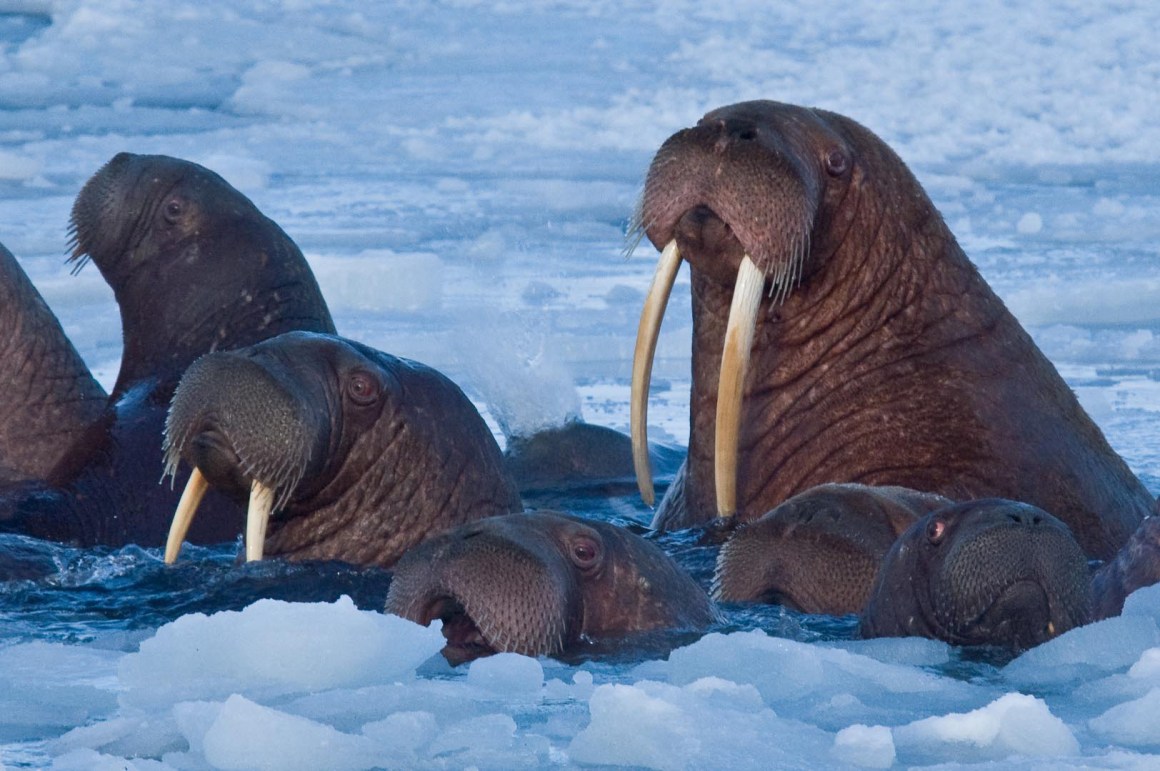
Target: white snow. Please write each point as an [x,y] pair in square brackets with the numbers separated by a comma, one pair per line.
[460,175]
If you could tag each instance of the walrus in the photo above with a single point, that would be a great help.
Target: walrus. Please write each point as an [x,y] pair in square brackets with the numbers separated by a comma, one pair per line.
[49,396]
[543,584]
[194,267]
[1136,565]
[986,572]
[342,452]
[841,335]
[819,551]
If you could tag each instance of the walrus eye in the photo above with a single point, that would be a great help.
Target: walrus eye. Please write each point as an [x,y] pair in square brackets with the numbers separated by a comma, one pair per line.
[362,388]
[935,531]
[173,210]
[585,552]
[837,162]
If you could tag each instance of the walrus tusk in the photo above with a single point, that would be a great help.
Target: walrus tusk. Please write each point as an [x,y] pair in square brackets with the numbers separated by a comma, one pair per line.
[257,517]
[186,510]
[642,361]
[734,363]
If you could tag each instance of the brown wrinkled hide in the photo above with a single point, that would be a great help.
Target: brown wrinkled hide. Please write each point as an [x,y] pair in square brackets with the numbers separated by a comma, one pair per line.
[986,572]
[49,397]
[819,551]
[1135,566]
[368,453]
[541,583]
[891,362]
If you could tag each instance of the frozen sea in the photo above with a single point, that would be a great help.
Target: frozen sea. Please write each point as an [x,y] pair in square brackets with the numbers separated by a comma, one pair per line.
[460,175]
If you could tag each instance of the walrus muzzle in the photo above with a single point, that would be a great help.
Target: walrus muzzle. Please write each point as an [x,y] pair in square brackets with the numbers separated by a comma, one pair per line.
[697,170]
[238,428]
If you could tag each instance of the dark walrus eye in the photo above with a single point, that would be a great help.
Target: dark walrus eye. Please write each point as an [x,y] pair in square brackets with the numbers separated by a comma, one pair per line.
[585,552]
[837,162]
[362,388]
[935,530]
[173,210]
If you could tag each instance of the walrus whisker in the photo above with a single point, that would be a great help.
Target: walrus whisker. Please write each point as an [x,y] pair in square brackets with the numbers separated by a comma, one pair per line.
[257,518]
[191,497]
[734,363]
[642,361]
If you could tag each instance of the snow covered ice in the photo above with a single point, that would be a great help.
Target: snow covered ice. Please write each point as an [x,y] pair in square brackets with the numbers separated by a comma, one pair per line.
[460,176]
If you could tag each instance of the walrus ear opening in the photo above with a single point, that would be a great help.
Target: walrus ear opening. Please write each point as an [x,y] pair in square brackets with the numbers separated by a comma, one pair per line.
[936,530]
[837,162]
[585,551]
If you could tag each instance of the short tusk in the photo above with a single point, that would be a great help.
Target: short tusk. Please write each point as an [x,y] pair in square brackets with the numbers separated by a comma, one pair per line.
[186,510]
[642,361]
[734,363]
[257,518]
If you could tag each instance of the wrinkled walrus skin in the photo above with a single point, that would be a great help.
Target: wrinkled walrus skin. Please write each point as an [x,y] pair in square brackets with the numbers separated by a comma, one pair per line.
[543,584]
[986,572]
[346,452]
[194,267]
[48,398]
[879,354]
[819,551]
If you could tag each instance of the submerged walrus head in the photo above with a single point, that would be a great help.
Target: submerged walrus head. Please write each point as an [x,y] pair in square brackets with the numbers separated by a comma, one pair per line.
[344,452]
[194,265]
[987,572]
[841,335]
[540,583]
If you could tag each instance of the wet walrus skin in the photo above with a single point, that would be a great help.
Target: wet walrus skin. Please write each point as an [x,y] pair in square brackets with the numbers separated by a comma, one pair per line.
[879,355]
[986,572]
[819,551]
[542,584]
[347,452]
[49,397]
[194,267]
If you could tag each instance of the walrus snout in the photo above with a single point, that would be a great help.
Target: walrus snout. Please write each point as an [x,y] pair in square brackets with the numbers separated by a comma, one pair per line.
[241,430]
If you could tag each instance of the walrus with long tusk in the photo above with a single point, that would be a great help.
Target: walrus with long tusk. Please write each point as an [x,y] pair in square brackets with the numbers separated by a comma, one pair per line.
[50,397]
[841,335]
[543,584]
[194,267]
[343,452]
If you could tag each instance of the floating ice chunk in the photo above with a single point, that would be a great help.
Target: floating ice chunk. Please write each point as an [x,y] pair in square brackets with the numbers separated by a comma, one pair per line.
[1148,666]
[246,735]
[50,687]
[401,734]
[865,746]
[907,651]
[274,647]
[1014,724]
[1144,602]
[1085,652]
[1135,723]
[507,675]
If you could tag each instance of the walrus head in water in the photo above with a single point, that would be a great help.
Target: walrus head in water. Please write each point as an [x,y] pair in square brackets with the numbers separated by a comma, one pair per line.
[540,584]
[819,551]
[841,335]
[342,452]
[987,572]
[194,265]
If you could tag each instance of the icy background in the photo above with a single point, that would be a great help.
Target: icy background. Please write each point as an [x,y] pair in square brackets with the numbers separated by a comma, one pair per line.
[460,175]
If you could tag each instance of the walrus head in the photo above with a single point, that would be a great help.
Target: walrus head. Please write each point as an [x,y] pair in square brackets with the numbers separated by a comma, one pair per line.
[987,572]
[343,452]
[819,551]
[739,198]
[149,222]
[538,583]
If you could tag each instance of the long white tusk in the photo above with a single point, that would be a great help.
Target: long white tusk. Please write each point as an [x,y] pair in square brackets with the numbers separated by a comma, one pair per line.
[734,363]
[257,517]
[186,510]
[642,361]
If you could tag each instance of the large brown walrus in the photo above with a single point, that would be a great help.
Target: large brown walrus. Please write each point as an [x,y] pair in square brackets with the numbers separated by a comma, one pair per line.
[841,335]
[986,572]
[543,584]
[819,551]
[194,267]
[341,451]
[49,396]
